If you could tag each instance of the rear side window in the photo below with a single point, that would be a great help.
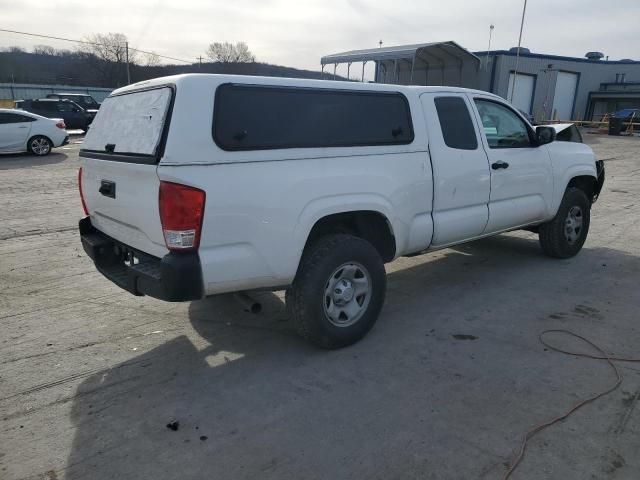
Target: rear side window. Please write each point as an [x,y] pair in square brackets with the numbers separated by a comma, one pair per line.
[252,117]
[65,107]
[130,123]
[455,122]
[7,118]
[45,106]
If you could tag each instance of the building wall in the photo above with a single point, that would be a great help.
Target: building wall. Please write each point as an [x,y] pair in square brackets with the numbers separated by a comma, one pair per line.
[590,75]
[494,71]
[457,75]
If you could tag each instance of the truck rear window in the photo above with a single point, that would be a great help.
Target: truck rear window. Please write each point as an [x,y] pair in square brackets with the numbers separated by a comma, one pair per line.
[130,123]
[255,117]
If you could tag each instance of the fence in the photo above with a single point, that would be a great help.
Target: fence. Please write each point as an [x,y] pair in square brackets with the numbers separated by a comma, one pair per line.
[20,91]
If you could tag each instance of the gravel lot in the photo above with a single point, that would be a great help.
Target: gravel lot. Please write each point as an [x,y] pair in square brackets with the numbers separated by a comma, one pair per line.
[91,375]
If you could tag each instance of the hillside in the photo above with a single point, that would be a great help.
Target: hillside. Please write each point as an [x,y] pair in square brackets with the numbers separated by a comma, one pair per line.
[71,68]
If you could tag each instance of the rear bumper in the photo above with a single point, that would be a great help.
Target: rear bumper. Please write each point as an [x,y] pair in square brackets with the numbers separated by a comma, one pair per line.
[176,277]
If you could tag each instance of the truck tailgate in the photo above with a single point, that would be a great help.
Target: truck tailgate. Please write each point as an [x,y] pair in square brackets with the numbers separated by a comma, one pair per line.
[122,199]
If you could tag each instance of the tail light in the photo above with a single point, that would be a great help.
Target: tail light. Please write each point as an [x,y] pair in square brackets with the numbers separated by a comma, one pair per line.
[84,205]
[61,125]
[181,213]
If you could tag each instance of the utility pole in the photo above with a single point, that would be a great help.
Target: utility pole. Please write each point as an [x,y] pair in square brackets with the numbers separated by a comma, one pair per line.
[515,70]
[491,27]
[126,52]
[200,58]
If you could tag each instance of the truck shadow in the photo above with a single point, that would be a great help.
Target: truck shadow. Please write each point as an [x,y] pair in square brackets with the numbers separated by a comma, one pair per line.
[13,161]
[254,401]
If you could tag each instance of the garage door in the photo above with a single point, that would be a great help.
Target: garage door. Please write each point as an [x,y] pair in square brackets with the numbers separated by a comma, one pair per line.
[565,95]
[523,92]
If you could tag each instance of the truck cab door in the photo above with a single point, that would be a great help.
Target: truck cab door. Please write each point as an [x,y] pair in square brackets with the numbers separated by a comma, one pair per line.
[461,177]
[521,172]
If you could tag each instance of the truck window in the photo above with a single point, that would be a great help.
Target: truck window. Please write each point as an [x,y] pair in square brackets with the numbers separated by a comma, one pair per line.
[502,126]
[255,117]
[455,122]
[131,124]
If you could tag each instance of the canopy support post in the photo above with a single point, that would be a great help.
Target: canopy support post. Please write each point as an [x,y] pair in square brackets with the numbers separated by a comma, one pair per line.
[413,62]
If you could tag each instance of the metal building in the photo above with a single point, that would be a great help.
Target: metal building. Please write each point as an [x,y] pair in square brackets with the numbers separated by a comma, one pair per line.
[546,86]
[437,63]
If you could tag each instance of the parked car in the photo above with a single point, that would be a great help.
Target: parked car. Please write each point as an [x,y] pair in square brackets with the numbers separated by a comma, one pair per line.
[22,131]
[84,100]
[74,116]
[196,185]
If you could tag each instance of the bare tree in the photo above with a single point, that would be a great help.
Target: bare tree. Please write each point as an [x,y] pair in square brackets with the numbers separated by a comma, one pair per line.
[151,59]
[243,54]
[107,54]
[226,52]
[44,50]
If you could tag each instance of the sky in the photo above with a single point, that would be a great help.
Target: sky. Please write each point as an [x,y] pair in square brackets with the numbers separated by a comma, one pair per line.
[297,33]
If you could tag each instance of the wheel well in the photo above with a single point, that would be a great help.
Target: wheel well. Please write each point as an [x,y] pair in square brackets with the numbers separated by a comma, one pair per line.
[585,183]
[369,225]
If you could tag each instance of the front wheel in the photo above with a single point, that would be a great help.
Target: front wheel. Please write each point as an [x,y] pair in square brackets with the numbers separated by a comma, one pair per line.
[564,236]
[39,145]
[338,292]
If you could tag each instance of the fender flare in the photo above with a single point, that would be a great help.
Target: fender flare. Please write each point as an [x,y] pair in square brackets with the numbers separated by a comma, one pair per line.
[333,204]
[582,170]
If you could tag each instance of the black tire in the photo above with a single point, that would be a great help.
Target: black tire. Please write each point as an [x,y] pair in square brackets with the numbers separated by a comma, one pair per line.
[39,145]
[556,235]
[307,299]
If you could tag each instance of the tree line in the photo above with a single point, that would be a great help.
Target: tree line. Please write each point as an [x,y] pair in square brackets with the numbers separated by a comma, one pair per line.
[101,62]
[107,56]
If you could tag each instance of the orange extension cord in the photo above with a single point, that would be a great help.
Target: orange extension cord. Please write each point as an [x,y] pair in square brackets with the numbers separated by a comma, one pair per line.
[603,356]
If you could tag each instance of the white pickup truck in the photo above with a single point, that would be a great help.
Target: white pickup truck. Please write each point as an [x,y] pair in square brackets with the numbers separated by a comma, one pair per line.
[197,185]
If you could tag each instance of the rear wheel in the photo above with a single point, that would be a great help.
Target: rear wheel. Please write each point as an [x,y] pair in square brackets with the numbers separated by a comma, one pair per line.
[338,292]
[39,145]
[564,236]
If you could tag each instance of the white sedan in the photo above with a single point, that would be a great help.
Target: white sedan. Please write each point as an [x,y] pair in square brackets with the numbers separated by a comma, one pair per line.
[22,131]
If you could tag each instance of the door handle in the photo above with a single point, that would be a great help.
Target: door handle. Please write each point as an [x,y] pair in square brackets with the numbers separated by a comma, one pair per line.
[23,126]
[499,164]
[107,188]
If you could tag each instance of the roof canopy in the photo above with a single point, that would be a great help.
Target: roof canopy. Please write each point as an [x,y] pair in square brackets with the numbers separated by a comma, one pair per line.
[444,51]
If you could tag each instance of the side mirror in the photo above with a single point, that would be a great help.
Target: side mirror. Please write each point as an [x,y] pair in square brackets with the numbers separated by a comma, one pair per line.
[545,135]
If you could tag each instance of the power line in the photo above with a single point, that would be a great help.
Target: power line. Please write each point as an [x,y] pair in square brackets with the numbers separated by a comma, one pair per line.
[92,43]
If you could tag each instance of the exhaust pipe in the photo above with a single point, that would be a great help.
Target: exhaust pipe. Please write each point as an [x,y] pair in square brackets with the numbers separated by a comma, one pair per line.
[248,304]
